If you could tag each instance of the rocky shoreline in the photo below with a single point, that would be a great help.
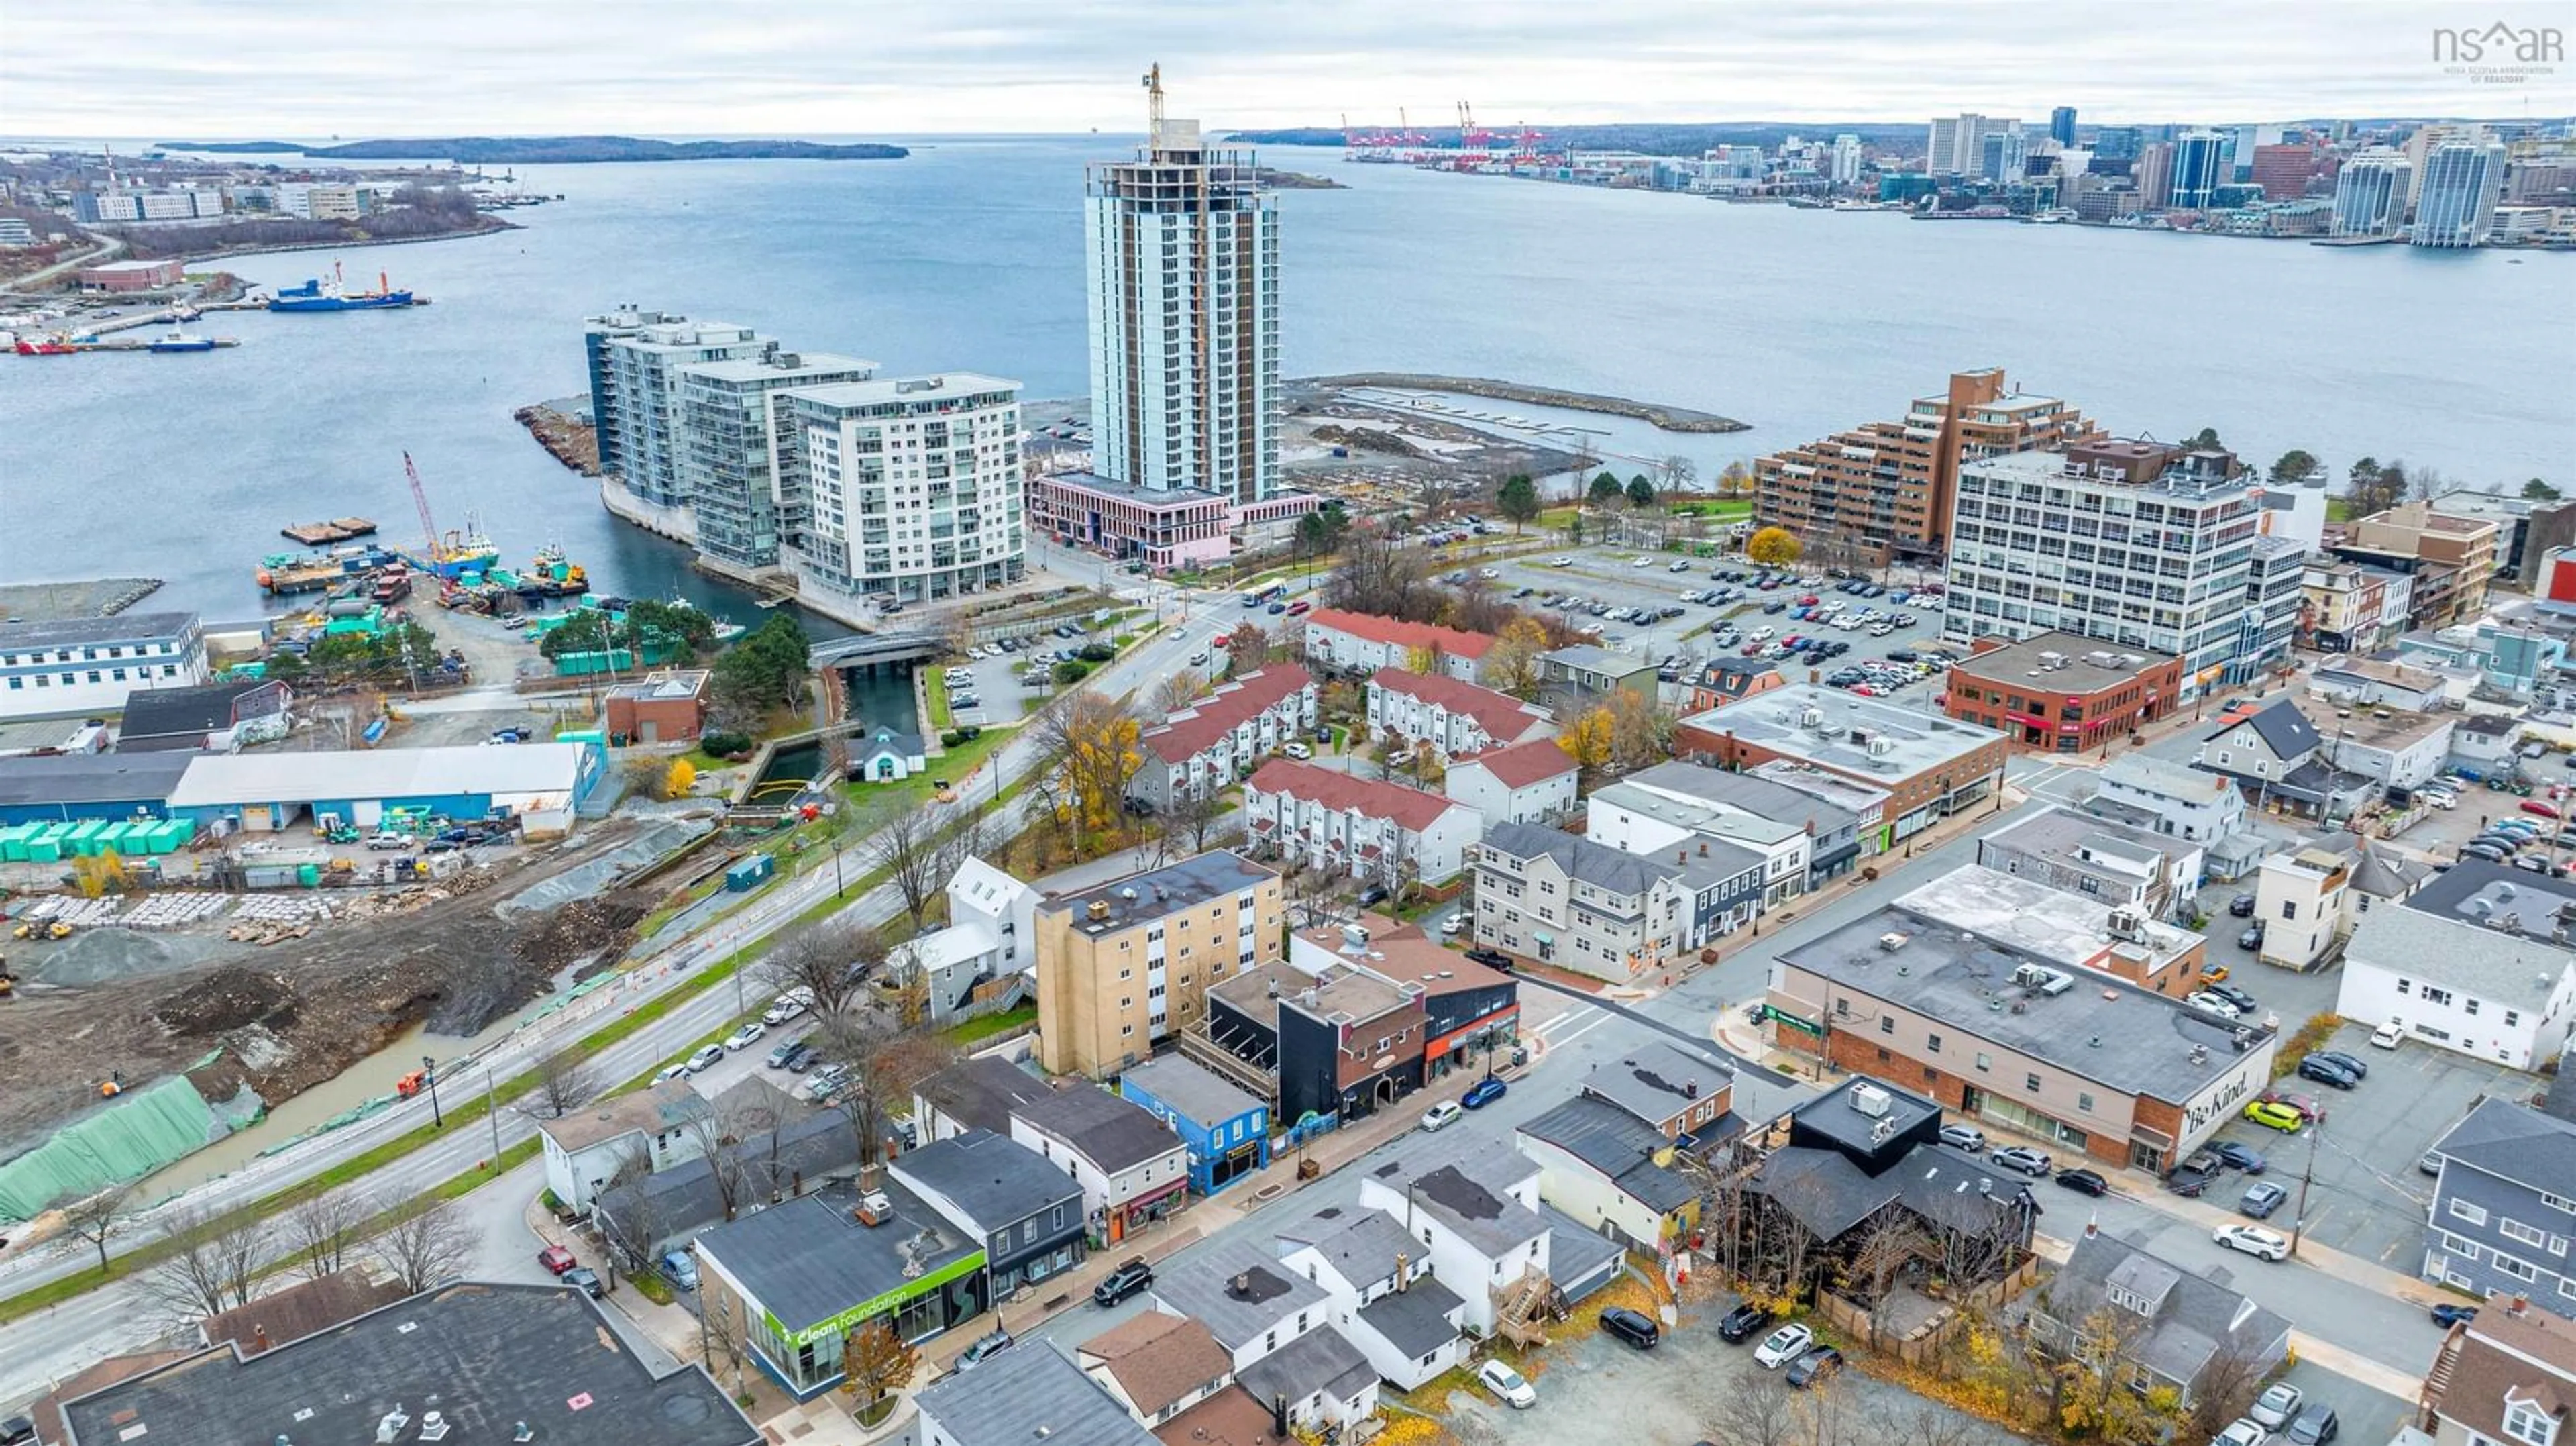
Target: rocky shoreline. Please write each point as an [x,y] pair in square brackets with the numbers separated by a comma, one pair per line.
[565,436]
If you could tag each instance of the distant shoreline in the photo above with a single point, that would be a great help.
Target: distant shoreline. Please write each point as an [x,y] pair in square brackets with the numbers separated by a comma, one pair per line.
[285,248]
[1670,419]
[550,150]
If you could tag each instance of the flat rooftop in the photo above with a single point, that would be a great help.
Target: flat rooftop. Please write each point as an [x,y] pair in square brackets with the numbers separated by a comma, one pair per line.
[1835,729]
[1837,1114]
[783,365]
[88,632]
[810,1259]
[663,687]
[1339,993]
[2023,914]
[39,779]
[2390,728]
[1156,893]
[484,1356]
[2100,1028]
[219,779]
[947,387]
[2057,663]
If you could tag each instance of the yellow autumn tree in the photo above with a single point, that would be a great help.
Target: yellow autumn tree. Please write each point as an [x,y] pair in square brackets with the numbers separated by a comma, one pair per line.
[1773,547]
[682,777]
[1424,661]
[1087,752]
[1590,740]
[1511,665]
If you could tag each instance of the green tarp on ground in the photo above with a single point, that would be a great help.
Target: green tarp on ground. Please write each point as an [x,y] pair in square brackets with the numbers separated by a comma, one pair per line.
[126,1139]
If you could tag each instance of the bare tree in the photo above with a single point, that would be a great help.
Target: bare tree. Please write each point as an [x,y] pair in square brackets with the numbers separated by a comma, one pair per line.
[424,1243]
[2226,1387]
[1751,1411]
[1192,816]
[905,845]
[1816,1414]
[95,1218]
[1891,1241]
[1177,690]
[1675,473]
[884,1063]
[1985,1252]
[565,1082]
[630,1218]
[828,959]
[718,1131]
[209,1261]
[720,1322]
[322,1226]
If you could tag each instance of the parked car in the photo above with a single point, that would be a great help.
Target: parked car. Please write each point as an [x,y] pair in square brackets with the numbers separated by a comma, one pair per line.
[2276,1116]
[587,1279]
[682,1269]
[2448,1314]
[2241,907]
[2353,1064]
[2534,807]
[2308,1106]
[1442,1115]
[2252,937]
[2233,994]
[2315,1425]
[786,1055]
[2278,1403]
[2210,1001]
[745,1037]
[2326,1072]
[2239,1157]
[2025,1159]
[2241,1432]
[1484,1092]
[1964,1137]
[1741,1322]
[2083,1181]
[1637,1330]
[1372,895]
[1816,1364]
[2387,1036]
[705,1059]
[1507,1385]
[986,1346]
[1491,958]
[1783,1346]
[556,1259]
[1298,751]
[1130,1276]
[787,1006]
[2260,1199]
[2253,1240]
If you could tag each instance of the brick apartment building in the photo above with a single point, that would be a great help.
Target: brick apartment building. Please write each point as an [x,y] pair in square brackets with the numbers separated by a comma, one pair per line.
[1930,767]
[2061,693]
[1886,487]
[1129,963]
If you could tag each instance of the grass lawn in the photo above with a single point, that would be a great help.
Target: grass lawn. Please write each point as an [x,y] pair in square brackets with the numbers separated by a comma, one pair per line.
[935,687]
[974,1031]
[2338,509]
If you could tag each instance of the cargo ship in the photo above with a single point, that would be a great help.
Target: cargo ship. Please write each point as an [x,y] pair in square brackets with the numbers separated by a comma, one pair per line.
[334,295]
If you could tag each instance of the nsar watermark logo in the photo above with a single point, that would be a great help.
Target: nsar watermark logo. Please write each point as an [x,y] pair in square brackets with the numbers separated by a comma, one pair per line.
[2499,54]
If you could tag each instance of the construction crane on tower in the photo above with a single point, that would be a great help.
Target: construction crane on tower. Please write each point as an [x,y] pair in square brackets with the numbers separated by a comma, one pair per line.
[1153,83]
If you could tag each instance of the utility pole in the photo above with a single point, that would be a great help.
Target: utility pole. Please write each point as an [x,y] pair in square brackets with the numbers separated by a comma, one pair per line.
[2299,1223]
[492,1107]
[429,1072]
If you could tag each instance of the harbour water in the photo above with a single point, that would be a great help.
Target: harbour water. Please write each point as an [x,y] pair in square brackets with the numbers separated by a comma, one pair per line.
[969,254]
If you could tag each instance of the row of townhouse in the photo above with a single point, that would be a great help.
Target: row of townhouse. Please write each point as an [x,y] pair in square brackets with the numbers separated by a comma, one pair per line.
[1363,828]
[1208,745]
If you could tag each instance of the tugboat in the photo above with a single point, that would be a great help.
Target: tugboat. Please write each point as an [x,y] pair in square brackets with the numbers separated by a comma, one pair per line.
[334,295]
[183,341]
[45,346]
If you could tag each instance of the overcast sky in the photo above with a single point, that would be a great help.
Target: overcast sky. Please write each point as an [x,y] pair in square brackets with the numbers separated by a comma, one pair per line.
[301,69]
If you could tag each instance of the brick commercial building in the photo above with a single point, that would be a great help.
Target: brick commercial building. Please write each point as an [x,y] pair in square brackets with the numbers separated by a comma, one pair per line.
[1129,963]
[2060,693]
[658,708]
[1359,644]
[1995,1030]
[2452,559]
[1886,488]
[1929,766]
[1209,743]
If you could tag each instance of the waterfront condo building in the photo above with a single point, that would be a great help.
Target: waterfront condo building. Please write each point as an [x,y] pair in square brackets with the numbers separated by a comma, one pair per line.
[2131,543]
[1128,964]
[635,362]
[1885,489]
[2371,191]
[86,667]
[732,426]
[913,485]
[2456,204]
[1957,144]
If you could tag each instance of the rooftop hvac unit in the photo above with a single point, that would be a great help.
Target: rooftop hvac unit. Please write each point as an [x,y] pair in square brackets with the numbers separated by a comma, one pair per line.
[1882,746]
[1811,717]
[1882,1130]
[2098,658]
[1097,911]
[1354,937]
[1872,1101]
[1891,942]
[2052,661]
[874,1209]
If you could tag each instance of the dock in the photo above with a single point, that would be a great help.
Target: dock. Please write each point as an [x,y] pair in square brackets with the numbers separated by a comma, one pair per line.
[323,534]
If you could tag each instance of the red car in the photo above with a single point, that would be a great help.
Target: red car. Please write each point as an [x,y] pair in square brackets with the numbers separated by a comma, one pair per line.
[2533,805]
[1810,600]
[2306,1104]
[556,1259]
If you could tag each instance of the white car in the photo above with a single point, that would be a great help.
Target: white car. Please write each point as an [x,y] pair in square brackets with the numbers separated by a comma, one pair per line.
[787,1006]
[2388,1036]
[1507,1385]
[2273,1409]
[1453,925]
[1560,562]
[2208,1003]
[1487,573]
[1198,658]
[2254,1240]
[1642,561]
[2241,1432]
[745,1037]
[1297,751]
[1783,1346]
[1442,1115]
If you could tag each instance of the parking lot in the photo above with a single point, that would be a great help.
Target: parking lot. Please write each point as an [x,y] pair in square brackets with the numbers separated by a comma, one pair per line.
[992,674]
[1742,614]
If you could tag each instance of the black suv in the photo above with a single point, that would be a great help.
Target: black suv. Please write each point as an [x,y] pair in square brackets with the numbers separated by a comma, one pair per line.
[1741,1323]
[1129,1278]
[1491,958]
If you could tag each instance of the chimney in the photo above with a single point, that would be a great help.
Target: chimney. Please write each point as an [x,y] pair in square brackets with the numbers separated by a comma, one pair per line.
[1239,1287]
[2517,1306]
[258,1339]
[1279,1416]
[1690,1089]
[1703,848]
[868,1177]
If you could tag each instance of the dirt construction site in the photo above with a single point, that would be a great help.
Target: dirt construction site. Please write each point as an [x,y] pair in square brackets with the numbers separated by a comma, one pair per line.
[240,1003]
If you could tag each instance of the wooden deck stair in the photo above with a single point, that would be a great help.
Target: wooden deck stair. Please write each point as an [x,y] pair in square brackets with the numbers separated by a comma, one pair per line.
[2438,1379]
[1521,1306]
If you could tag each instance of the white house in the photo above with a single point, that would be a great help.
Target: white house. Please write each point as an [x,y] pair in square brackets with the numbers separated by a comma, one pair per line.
[991,936]
[1275,1325]
[1638,818]
[2472,961]
[2304,900]
[1474,1206]
[1366,828]
[1452,716]
[587,1147]
[1610,1171]
[2169,798]
[1133,1170]
[1205,745]
[1385,1295]
[1525,783]
[2391,748]
[1361,643]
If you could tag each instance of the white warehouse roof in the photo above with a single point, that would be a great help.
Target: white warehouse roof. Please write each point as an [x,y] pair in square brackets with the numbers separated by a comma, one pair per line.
[218,780]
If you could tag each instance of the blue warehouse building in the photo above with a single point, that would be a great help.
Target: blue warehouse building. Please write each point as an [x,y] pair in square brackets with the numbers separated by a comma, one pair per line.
[538,784]
[1226,1131]
[70,787]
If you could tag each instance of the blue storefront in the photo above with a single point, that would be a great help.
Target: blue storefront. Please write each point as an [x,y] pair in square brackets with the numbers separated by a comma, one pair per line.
[1225,1130]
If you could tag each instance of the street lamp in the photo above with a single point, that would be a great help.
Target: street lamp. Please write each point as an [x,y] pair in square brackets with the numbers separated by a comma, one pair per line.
[429,1073]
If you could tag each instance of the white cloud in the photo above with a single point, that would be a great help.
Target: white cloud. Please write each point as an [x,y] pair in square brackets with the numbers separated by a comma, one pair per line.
[165,69]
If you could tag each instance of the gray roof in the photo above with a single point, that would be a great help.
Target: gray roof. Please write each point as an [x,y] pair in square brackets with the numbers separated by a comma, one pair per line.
[1169,889]
[1697,815]
[994,1179]
[1920,742]
[981,1092]
[686,1198]
[1464,1184]
[1759,796]
[1657,1080]
[163,712]
[89,632]
[2196,1317]
[1323,1359]
[2384,873]
[1205,1286]
[2104,1029]
[1613,1142]
[810,1259]
[1417,1319]
[2067,838]
[885,742]
[1603,867]
[2518,1143]
[482,1355]
[1593,658]
[1954,1190]
[1360,1243]
[1836,1114]
[1821,1189]
[2282,727]
[91,778]
[1576,1254]
[1189,1089]
[1113,1133]
[2084,665]
[1029,1392]
[2454,932]
[2149,774]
